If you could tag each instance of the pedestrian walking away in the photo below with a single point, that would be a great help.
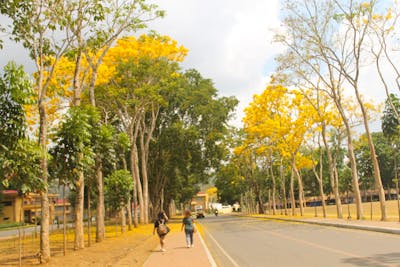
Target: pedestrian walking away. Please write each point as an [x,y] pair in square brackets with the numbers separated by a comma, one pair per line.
[190,228]
[160,224]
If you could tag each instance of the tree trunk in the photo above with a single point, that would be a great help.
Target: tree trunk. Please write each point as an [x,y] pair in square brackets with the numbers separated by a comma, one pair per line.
[396,178]
[320,181]
[129,213]
[157,194]
[321,190]
[356,188]
[144,146]
[89,215]
[44,199]
[64,223]
[332,177]
[135,187]
[19,232]
[124,164]
[79,241]
[91,87]
[374,159]
[301,190]
[76,85]
[162,198]
[353,163]
[292,199]
[133,133]
[135,205]
[143,162]
[283,186]
[123,219]
[100,228]
[269,201]
[135,166]
[273,191]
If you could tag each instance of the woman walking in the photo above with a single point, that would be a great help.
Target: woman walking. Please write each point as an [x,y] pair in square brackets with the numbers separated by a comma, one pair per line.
[188,224]
[162,228]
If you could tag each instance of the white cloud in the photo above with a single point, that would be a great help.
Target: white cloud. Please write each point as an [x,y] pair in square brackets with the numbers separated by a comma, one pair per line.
[228,41]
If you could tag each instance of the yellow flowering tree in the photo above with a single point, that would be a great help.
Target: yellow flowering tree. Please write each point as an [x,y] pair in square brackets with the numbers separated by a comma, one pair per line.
[280,117]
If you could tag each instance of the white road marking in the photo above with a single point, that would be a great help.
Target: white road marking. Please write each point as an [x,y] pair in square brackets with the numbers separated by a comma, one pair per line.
[209,256]
[222,250]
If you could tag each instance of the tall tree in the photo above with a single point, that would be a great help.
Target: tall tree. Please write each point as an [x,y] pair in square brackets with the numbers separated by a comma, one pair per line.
[384,30]
[34,23]
[390,128]
[189,139]
[117,192]
[326,116]
[141,69]
[92,28]
[16,92]
[19,157]
[280,117]
[74,149]
[333,57]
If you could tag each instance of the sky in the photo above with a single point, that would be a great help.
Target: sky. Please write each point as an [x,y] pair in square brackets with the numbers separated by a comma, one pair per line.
[229,41]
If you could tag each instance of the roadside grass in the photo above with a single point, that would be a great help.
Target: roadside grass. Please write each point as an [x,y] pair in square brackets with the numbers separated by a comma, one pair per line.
[371,210]
[30,242]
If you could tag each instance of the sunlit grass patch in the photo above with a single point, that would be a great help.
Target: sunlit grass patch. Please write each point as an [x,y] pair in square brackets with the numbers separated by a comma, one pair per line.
[31,242]
[372,211]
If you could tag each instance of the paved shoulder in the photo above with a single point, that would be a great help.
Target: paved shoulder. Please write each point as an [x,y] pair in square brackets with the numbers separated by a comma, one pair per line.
[178,255]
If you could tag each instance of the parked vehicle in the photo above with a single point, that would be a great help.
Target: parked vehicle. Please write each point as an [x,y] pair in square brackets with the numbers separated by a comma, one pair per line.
[199,214]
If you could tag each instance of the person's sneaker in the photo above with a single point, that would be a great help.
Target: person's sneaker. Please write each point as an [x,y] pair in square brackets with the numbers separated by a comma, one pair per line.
[163,250]
[188,246]
[192,246]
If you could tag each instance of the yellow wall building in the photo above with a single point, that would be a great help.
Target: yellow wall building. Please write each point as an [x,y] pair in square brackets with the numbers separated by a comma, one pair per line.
[31,208]
[202,200]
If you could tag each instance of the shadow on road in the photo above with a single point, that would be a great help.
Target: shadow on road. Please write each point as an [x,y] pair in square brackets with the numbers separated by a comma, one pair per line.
[378,260]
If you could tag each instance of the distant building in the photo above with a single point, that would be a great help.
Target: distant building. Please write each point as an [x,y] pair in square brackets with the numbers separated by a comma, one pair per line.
[216,206]
[199,202]
[31,208]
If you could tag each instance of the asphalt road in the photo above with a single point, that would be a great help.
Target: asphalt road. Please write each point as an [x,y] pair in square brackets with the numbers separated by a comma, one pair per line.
[11,233]
[236,241]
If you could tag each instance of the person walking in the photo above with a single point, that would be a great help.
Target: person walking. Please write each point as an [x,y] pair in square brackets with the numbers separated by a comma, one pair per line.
[160,225]
[188,224]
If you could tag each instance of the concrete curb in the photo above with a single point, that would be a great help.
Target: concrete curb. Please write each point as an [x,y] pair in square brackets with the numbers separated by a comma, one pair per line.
[338,225]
